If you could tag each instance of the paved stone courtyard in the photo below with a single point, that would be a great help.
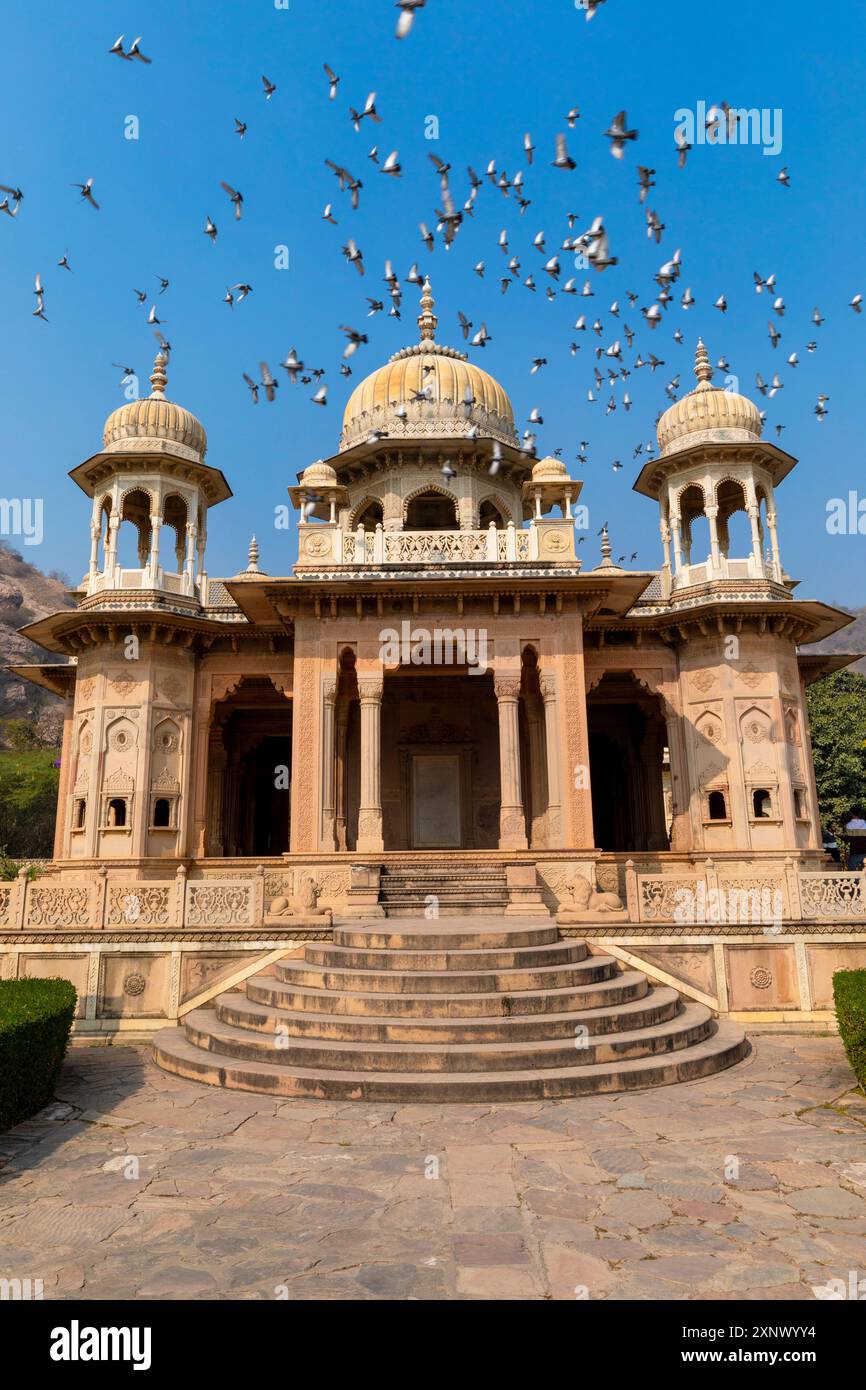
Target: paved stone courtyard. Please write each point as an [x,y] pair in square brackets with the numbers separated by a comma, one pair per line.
[749,1184]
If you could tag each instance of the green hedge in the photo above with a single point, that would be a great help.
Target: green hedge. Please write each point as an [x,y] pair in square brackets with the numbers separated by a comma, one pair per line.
[849,992]
[35,1019]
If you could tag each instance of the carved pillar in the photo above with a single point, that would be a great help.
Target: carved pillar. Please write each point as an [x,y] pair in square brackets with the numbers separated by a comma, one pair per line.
[676,536]
[712,515]
[512,824]
[61,828]
[216,773]
[756,535]
[341,771]
[370,812]
[329,697]
[774,545]
[535,728]
[651,751]
[551,746]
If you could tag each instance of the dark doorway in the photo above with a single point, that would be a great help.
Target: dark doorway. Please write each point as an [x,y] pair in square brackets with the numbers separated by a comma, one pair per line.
[250,772]
[627,738]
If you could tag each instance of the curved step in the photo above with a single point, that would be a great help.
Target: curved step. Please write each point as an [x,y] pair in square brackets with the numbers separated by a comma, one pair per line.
[656,1006]
[438,936]
[483,958]
[204,1028]
[725,1045]
[617,989]
[448,981]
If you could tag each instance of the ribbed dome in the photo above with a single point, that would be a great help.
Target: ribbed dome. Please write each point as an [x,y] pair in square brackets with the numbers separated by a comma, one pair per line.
[155,418]
[320,473]
[724,414]
[548,470]
[457,394]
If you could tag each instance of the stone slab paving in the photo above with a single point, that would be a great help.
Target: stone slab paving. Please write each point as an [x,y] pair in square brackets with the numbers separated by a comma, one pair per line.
[750,1184]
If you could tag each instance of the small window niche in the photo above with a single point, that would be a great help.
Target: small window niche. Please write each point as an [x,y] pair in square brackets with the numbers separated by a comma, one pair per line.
[800,809]
[717,806]
[162,813]
[117,813]
[79,813]
[762,804]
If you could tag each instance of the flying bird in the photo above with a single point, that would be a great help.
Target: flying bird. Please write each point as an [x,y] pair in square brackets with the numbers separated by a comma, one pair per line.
[618,134]
[234,197]
[406,17]
[87,193]
[333,80]
[270,88]
[563,159]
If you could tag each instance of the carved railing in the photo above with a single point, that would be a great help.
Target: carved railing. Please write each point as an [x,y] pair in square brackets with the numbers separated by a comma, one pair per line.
[381,547]
[832,895]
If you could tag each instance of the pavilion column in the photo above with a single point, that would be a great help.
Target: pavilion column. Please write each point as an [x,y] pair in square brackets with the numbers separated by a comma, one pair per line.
[651,757]
[329,696]
[535,727]
[712,515]
[370,811]
[551,744]
[340,751]
[756,535]
[676,536]
[774,544]
[512,822]
[216,775]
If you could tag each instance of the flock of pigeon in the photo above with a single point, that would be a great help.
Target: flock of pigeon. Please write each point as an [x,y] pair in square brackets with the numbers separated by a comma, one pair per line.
[588,248]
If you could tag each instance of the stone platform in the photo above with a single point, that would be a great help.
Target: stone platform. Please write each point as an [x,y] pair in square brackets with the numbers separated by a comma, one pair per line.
[448,1011]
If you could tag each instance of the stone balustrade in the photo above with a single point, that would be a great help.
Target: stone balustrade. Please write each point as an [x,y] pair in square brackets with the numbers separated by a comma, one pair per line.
[328,543]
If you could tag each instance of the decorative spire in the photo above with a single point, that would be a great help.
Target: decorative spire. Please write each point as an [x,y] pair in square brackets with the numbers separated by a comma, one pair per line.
[703,369]
[427,320]
[158,377]
[605,546]
[253,557]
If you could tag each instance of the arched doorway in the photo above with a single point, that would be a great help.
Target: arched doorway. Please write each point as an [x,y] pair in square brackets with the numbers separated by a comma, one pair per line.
[431,511]
[627,741]
[250,772]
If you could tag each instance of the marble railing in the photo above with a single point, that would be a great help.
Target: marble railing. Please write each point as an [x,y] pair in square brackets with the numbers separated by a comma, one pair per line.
[382,547]
[704,893]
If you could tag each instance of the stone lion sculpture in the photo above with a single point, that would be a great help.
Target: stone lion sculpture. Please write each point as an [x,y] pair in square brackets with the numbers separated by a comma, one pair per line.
[303,903]
[587,904]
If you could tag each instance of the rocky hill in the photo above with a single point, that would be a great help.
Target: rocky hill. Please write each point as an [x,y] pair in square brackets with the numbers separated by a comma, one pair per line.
[25,594]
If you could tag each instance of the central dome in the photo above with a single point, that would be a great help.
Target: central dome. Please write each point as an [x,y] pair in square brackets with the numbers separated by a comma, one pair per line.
[428,391]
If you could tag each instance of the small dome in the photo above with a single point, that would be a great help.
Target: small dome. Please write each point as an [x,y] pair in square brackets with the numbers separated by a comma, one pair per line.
[549,470]
[319,474]
[457,394]
[155,420]
[708,412]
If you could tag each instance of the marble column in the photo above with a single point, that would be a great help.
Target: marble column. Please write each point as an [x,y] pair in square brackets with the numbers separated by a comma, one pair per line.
[342,721]
[329,697]
[512,822]
[551,745]
[535,728]
[370,811]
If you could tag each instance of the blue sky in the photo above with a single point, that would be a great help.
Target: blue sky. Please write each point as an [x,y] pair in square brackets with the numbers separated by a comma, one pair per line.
[488,73]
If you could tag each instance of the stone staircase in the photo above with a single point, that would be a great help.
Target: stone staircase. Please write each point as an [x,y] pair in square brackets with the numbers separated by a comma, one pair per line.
[448,1012]
[459,889]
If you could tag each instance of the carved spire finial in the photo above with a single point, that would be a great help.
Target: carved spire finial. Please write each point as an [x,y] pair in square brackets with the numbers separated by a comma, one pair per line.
[605,546]
[703,368]
[253,557]
[159,377]
[427,320]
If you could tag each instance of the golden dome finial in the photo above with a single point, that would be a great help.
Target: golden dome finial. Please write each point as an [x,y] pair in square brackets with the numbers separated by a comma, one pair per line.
[158,377]
[427,320]
[703,368]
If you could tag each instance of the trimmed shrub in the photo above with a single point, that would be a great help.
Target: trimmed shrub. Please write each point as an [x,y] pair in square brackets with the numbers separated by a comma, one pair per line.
[849,993]
[35,1019]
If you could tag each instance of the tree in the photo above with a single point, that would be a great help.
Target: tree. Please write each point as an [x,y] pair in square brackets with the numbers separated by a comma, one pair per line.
[28,803]
[837,713]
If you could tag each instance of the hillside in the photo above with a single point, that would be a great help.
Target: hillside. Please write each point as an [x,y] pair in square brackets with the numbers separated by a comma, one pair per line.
[25,594]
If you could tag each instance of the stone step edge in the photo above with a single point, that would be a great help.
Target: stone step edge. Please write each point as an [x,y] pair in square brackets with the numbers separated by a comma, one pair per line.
[725,1046]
